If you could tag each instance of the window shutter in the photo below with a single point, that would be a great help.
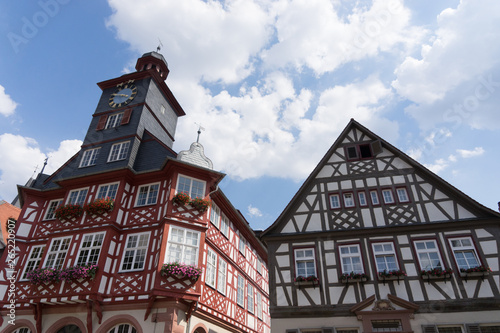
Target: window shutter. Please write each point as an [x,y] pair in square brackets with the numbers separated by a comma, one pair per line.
[376,147]
[429,329]
[126,116]
[473,328]
[102,122]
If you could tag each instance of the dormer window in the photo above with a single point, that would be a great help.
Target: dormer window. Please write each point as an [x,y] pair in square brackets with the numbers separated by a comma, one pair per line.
[363,151]
[119,151]
[89,157]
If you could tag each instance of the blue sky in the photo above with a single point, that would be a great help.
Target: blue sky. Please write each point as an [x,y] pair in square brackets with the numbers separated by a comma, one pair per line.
[272,82]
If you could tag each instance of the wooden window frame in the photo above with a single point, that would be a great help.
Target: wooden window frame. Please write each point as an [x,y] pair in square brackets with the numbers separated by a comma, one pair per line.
[406,193]
[148,201]
[183,245]
[57,256]
[51,209]
[341,256]
[92,249]
[352,198]
[337,195]
[308,259]
[119,151]
[391,196]
[385,253]
[365,199]
[472,247]
[191,192]
[40,249]
[136,250]
[419,251]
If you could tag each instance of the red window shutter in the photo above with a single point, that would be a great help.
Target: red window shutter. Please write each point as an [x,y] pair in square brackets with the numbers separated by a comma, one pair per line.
[102,122]
[126,116]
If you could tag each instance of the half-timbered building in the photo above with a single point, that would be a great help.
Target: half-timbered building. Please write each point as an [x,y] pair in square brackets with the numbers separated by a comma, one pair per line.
[375,242]
[129,236]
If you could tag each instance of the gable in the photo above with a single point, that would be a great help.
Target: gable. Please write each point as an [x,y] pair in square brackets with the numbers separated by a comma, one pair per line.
[364,182]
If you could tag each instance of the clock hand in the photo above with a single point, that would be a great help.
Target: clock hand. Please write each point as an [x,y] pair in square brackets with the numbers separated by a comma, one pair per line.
[122,95]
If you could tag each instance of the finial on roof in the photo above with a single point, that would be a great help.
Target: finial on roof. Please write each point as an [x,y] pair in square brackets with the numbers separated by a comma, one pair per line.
[200,128]
[44,164]
[158,48]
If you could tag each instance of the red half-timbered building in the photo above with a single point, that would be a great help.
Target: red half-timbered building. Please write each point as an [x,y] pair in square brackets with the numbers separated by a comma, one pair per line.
[102,268]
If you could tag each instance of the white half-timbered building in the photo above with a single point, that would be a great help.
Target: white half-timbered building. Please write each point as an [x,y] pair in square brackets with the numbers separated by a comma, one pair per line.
[131,185]
[375,242]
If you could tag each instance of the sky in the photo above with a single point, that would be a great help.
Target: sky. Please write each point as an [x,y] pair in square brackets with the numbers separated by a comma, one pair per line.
[272,82]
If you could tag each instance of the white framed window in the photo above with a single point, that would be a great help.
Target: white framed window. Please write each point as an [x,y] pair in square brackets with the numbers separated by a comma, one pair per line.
[51,210]
[34,260]
[147,194]
[134,256]
[428,254]
[221,276]
[305,262]
[224,225]
[215,215]
[334,201]
[114,120]
[449,329]
[89,157]
[259,305]
[190,186]
[77,197]
[350,256]
[388,197]
[183,246]
[119,151]
[387,325]
[250,297]
[57,252]
[348,200]
[402,194]
[385,256]
[374,197]
[240,297]
[107,191]
[90,249]
[362,199]
[211,268]
[464,252]
[123,328]
[241,245]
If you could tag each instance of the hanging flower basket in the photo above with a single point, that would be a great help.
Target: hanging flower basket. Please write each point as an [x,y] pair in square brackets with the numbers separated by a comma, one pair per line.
[68,211]
[181,271]
[99,206]
[181,199]
[51,275]
[200,204]
[353,277]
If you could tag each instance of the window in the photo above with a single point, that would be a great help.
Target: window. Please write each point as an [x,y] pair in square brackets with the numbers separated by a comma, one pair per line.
[388,197]
[359,151]
[490,328]
[464,252]
[385,257]
[123,328]
[51,211]
[352,153]
[402,195]
[107,191]
[259,266]
[90,249]
[148,195]
[114,120]
[241,245]
[348,200]
[350,257]
[346,330]
[192,187]
[250,303]
[69,329]
[389,325]
[305,264]
[224,225]
[221,277]
[241,291]
[428,254]
[334,201]
[374,197]
[182,246]
[211,268]
[22,330]
[449,329]
[119,151]
[57,253]
[34,260]
[362,199]
[135,252]
[215,215]
[77,197]
[89,157]
[259,306]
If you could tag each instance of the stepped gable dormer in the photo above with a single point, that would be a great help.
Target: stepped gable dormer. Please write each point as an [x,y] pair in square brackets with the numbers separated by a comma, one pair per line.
[195,155]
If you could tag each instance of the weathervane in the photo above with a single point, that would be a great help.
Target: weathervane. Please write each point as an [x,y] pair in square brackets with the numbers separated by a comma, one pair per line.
[158,48]
[200,128]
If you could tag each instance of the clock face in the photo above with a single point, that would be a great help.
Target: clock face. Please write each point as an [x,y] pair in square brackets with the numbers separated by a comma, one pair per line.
[123,95]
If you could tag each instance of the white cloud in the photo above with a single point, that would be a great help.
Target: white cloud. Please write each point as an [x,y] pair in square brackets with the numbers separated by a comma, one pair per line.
[7,105]
[254,211]
[21,155]
[478,151]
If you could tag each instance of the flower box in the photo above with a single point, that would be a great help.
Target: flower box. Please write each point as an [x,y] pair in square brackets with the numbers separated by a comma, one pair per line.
[200,204]
[181,271]
[436,274]
[310,281]
[49,275]
[394,275]
[99,206]
[181,199]
[475,272]
[353,277]
[69,211]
